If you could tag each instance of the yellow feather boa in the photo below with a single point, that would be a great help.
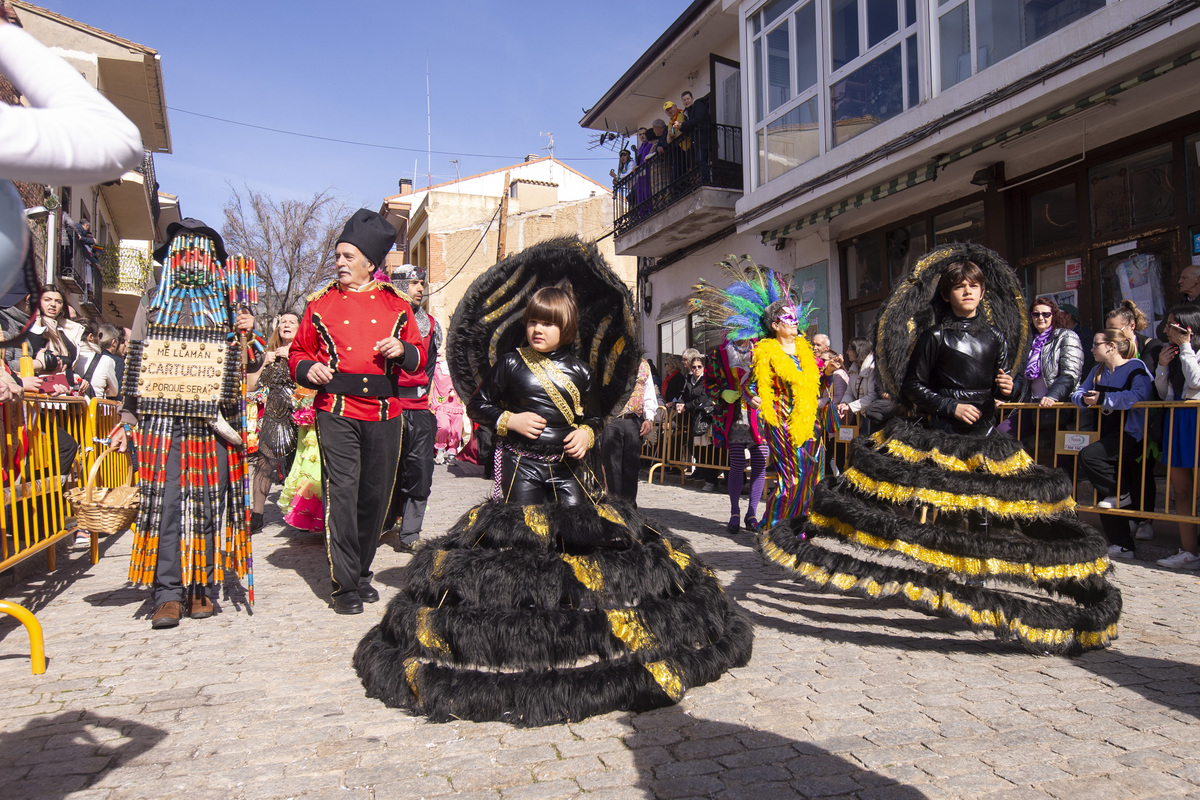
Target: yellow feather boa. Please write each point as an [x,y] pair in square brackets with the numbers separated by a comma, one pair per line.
[771,362]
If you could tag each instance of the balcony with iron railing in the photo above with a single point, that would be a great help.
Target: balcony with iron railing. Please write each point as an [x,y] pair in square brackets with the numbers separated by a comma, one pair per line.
[682,195]
[146,168]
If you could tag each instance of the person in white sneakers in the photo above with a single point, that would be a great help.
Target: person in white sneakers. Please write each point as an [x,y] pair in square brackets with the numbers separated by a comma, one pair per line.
[1177,377]
[1118,381]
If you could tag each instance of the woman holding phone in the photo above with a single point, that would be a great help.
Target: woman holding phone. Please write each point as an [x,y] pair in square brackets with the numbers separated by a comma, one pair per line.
[1118,381]
[1177,377]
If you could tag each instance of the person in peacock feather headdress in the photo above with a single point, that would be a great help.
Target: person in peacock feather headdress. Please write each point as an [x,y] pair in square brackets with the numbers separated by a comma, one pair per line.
[784,383]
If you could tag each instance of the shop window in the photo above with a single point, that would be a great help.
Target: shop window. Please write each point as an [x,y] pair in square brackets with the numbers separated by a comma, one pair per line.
[1191,154]
[1138,275]
[1054,216]
[863,322]
[1058,279]
[1132,192]
[861,262]
[963,224]
[904,246]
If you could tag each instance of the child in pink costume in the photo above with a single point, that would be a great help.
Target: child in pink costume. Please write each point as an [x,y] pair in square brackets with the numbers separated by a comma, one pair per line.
[448,411]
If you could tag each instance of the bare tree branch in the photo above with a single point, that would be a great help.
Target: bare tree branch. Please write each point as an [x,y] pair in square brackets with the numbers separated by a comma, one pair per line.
[292,241]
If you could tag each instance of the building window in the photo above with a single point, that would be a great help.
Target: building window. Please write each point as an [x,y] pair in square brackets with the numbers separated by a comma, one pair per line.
[1054,216]
[975,34]
[964,224]
[1131,192]
[818,85]
[673,336]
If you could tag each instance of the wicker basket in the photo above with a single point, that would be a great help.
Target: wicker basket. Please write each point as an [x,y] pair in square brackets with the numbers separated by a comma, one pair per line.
[105,510]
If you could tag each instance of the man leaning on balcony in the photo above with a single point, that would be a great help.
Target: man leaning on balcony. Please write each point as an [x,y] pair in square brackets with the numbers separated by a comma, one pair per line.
[695,128]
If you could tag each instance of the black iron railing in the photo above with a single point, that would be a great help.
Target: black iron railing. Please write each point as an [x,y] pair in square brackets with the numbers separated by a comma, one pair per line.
[710,155]
[146,168]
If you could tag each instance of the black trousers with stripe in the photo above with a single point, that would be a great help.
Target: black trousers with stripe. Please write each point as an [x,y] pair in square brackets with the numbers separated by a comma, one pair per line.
[358,471]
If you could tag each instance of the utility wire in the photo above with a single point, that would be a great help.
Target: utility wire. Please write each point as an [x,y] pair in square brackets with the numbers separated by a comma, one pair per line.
[335,140]
[482,238]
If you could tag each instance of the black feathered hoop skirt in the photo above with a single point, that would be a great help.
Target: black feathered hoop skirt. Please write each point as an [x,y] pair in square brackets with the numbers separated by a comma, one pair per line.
[549,613]
[965,526]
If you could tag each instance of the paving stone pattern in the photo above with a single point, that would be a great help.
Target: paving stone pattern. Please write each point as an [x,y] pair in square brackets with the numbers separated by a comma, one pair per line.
[843,698]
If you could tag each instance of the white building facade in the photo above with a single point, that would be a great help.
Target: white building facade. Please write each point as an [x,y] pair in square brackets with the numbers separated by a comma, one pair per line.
[1061,133]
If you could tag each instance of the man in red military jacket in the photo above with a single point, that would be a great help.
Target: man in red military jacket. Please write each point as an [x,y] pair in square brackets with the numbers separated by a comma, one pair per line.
[356,338]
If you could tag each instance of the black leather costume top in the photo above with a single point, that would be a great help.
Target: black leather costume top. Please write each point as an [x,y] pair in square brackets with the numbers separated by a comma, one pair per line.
[512,386]
[956,362]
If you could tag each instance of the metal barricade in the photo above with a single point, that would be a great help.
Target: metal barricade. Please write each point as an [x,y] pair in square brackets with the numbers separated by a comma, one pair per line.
[1055,435]
[38,434]
[35,510]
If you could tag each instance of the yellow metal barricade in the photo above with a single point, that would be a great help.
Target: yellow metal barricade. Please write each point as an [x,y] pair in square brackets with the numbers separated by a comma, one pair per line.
[35,510]
[1055,435]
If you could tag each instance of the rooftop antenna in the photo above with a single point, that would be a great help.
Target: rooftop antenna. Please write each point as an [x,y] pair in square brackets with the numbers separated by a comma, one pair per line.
[428,129]
[457,178]
[549,147]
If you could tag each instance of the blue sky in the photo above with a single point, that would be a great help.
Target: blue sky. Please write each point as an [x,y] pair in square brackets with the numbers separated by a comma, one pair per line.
[500,73]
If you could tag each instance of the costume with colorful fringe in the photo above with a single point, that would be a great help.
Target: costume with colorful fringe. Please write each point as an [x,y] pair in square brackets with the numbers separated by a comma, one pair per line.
[789,385]
[549,613]
[963,525]
[194,304]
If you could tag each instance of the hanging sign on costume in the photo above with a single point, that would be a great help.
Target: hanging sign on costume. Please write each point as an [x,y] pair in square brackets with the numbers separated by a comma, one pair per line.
[180,377]
[181,370]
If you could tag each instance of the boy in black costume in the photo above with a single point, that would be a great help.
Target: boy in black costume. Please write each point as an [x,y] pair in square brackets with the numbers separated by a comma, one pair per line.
[957,369]
[539,400]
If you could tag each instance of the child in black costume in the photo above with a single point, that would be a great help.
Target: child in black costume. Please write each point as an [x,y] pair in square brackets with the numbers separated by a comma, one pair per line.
[549,603]
[1004,550]
[957,369]
[539,400]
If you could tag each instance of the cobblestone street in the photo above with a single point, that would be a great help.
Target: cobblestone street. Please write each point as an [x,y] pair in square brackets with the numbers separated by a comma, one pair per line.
[843,698]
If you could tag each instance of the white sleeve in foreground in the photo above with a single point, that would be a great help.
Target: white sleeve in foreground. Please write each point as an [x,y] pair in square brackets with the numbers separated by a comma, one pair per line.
[71,135]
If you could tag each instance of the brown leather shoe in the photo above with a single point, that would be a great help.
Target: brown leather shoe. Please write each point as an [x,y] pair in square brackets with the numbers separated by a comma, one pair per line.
[201,607]
[167,615]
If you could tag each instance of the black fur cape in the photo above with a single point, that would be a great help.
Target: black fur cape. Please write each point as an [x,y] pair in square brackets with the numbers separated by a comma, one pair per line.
[544,614]
[1028,570]
[488,321]
[915,306]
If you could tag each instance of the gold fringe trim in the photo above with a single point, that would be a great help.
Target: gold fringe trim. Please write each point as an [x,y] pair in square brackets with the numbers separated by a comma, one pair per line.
[609,513]
[597,340]
[667,678]
[471,516]
[948,501]
[1013,465]
[411,665]
[439,561]
[945,601]
[426,636]
[628,627]
[771,362]
[615,351]
[682,559]
[586,571]
[501,310]
[536,521]
[961,564]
